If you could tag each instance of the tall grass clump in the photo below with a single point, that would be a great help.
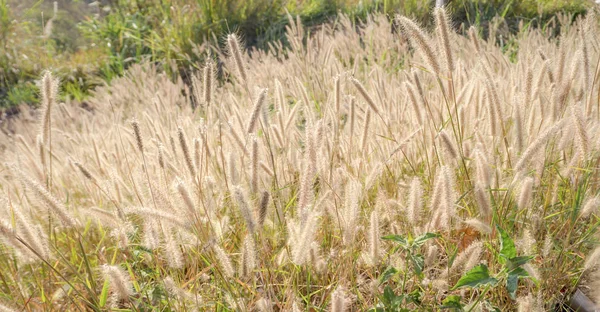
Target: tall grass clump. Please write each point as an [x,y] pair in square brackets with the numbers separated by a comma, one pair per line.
[362,168]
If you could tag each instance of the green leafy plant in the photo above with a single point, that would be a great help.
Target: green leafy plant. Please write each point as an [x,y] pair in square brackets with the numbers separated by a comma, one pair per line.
[409,248]
[479,276]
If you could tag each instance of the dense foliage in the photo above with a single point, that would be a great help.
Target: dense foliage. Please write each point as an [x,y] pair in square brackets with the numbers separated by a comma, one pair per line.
[88,44]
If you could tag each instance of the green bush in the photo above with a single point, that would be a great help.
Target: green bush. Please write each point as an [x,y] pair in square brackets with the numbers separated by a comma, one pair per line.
[92,44]
[29,45]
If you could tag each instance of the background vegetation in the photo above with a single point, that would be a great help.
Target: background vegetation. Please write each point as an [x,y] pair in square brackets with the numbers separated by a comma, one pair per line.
[87,44]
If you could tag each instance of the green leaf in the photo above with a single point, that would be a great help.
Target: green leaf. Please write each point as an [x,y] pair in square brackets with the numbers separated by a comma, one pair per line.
[104,294]
[388,295]
[414,297]
[507,246]
[478,275]
[398,303]
[512,282]
[453,252]
[418,262]
[419,241]
[517,261]
[398,239]
[452,302]
[390,299]
[519,272]
[387,274]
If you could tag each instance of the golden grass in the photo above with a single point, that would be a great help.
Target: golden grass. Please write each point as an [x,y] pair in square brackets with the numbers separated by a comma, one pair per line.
[274,192]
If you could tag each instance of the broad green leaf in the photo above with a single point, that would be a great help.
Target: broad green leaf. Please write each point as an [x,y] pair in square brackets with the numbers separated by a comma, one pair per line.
[390,299]
[478,275]
[388,295]
[418,262]
[398,303]
[398,239]
[387,274]
[507,246]
[512,282]
[419,241]
[452,302]
[519,272]
[517,261]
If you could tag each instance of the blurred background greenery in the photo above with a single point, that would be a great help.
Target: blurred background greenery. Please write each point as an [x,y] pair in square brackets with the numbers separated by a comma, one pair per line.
[89,43]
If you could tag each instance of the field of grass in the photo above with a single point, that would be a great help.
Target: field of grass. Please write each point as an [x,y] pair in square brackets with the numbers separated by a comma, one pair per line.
[384,166]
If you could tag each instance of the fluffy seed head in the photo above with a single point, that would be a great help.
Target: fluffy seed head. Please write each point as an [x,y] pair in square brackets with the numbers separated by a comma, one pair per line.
[536,145]
[46,198]
[421,40]
[474,38]
[415,201]
[443,33]
[186,151]
[86,173]
[248,255]
[480,226]
[448,145]
[363,92]
[208,82]
[592,259]
[482,169]
[483,202]
[185,196]
[262,208]
[245,210]
[233,43]
[254,167]
[258,106]
[526,193]
[138,135]
[337,93]
[338,300]
[172,252]
[224,261]
[302,236]
[373,239]
[581,129]
[415,103]
[590,206]
[49,91]
[119,281]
